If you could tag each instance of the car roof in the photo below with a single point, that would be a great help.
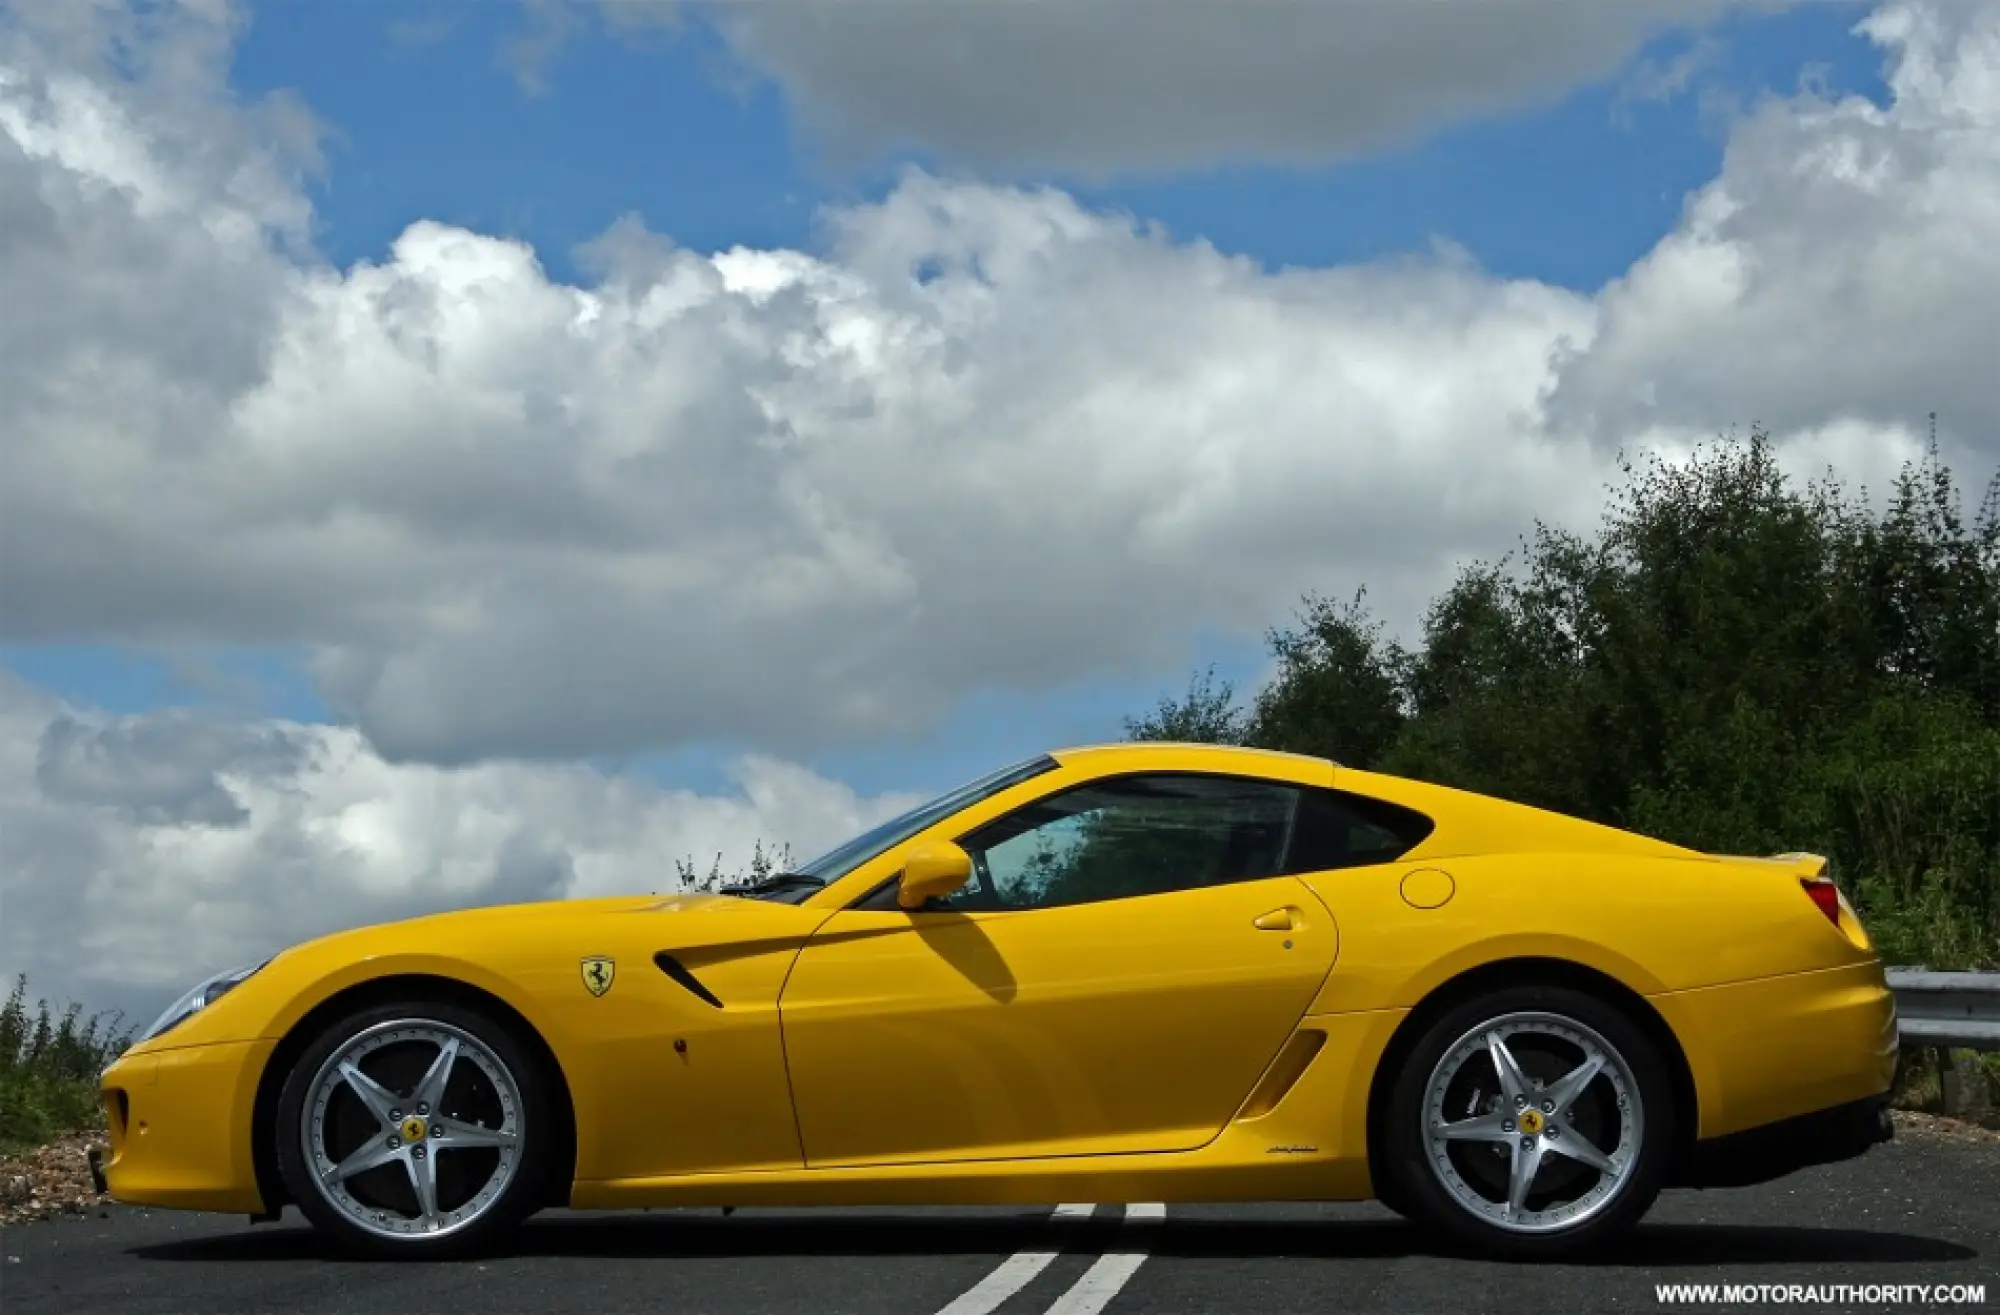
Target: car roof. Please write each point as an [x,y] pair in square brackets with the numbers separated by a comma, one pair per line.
[1228,757]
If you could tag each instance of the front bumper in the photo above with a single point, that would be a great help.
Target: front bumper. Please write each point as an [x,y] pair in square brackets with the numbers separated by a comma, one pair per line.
[180,1127]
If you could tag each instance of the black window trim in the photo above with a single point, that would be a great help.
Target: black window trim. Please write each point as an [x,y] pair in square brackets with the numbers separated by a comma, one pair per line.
[868,902]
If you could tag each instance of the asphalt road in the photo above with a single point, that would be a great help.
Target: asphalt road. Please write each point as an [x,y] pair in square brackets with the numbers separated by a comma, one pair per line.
[1918,1211]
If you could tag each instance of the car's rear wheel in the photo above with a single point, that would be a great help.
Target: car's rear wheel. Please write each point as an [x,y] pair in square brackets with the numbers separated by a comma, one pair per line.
[1534,1121]
[416,1129]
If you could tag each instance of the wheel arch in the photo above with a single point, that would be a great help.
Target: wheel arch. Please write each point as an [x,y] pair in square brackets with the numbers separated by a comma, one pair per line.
[382,990]
[1529,970]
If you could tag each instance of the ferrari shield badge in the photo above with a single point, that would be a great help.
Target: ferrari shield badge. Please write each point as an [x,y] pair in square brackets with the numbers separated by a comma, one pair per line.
[598,970]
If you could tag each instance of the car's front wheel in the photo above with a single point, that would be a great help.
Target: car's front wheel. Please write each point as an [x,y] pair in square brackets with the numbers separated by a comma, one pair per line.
[413,1129]
[1534,1121]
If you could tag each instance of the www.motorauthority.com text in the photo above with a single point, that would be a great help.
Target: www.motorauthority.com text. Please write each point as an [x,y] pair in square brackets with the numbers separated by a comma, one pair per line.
[1874,1294]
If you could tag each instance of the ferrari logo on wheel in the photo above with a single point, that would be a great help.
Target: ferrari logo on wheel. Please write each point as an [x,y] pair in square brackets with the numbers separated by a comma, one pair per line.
[598,970]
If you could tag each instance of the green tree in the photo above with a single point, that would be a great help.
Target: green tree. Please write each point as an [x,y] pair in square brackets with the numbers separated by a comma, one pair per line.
[1206,715]
[1733,661]
[1339,690]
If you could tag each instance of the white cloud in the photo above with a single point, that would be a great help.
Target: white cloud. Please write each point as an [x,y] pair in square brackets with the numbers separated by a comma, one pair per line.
[785,497]
[1103,87]
[985,438]
[1845,265]
[244,837]
[1657,81]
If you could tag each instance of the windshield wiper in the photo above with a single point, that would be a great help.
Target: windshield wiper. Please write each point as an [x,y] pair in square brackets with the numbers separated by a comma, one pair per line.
[774,883]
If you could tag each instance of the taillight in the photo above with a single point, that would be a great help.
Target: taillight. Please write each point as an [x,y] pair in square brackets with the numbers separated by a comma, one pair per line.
[1824,893]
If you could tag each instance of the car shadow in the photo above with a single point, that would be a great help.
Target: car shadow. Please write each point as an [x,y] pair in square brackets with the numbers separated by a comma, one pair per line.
[689,1236]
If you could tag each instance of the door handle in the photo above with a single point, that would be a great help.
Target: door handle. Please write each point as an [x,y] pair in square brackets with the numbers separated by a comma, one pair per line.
[1275,920]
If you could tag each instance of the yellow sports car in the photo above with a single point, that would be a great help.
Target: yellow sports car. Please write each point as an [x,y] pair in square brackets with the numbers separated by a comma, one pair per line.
[1132,972]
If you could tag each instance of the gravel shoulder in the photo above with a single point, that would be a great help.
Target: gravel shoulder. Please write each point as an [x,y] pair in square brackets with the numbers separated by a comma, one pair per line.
[50,1182]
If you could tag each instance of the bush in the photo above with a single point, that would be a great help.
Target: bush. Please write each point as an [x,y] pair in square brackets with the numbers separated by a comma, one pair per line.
[762,866]
[49,1065]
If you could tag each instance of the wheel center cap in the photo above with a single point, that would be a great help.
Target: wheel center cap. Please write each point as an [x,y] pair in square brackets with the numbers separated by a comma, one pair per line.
[414,1129]
[1531,1122]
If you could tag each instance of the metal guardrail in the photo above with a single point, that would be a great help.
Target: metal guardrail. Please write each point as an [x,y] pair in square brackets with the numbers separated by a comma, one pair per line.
[1957,1011]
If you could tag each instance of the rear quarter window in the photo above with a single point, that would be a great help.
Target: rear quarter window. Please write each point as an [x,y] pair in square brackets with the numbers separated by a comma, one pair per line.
[1338,830]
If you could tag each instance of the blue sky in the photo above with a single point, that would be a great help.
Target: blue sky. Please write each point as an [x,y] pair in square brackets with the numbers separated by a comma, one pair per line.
[426,118]
[429,120]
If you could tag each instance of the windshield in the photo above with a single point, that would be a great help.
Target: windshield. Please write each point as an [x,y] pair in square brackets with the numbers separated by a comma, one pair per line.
[837,863]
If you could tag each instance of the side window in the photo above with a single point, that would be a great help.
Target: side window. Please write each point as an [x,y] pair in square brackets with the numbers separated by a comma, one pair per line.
[1133,835]
[1146,835]
[1337,830]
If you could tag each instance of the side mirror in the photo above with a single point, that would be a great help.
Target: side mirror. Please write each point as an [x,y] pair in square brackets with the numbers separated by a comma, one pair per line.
[932,871]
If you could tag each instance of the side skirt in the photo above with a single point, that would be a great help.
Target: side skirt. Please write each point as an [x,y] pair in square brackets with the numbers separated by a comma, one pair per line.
[1010,1182]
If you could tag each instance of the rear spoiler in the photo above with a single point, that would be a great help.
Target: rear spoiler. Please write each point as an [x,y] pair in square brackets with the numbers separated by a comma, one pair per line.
[1807,867]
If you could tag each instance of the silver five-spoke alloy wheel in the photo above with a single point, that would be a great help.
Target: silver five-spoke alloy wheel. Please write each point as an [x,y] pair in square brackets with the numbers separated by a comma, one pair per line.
[1533,1122]
[412,1128]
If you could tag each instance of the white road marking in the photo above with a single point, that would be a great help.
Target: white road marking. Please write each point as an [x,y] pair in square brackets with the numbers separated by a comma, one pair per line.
[1113,1270]
[1013,1273]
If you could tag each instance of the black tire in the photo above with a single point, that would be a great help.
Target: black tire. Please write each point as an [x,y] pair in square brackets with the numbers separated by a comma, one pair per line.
[494,1219]
[1417,1186]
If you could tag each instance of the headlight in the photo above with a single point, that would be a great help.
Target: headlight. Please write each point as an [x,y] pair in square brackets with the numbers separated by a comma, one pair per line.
[200,998]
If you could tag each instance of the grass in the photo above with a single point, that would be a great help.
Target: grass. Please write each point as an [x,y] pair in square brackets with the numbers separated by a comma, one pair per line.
[1923,1083]
[49,1062]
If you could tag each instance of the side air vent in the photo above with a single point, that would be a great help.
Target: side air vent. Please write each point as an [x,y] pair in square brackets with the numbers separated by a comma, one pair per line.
[1284,1072]
[677,970]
